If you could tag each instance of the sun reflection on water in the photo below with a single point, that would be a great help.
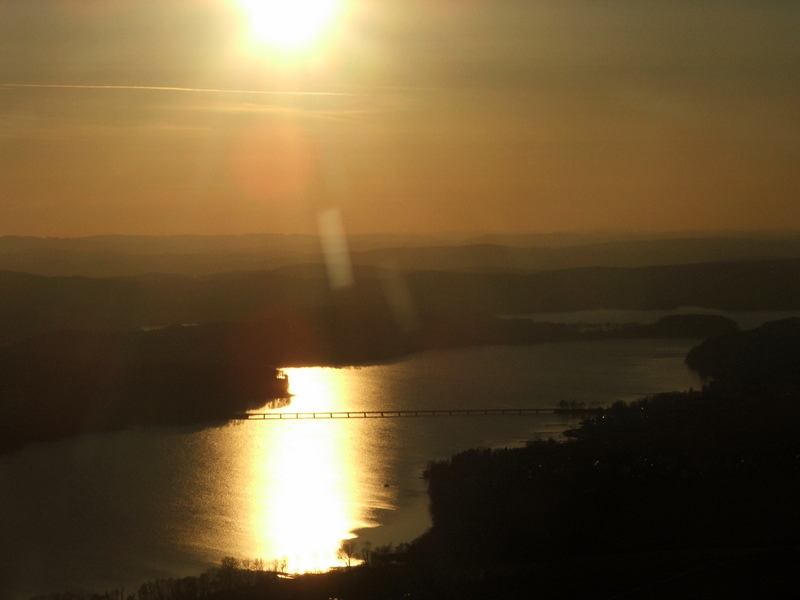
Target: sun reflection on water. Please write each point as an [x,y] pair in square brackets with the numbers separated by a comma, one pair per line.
[317,389]
[304,478]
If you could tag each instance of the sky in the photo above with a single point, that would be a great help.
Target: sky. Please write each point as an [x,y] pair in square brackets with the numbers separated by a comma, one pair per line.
[400,116]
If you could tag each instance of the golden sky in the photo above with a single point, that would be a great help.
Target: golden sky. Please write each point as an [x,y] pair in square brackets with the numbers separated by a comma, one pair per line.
[195,116]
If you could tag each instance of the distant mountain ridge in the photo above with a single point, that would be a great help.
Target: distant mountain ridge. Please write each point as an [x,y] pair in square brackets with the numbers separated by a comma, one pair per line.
[630,253]
[110,256]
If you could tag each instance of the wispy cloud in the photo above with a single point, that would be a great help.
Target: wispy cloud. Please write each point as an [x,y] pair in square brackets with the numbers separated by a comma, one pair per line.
[175,89]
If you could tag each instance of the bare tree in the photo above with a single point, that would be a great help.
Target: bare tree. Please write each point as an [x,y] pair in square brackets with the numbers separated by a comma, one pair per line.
[347,552]
[366,552]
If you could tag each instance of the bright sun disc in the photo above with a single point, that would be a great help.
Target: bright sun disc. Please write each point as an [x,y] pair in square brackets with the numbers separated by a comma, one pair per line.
[289,23]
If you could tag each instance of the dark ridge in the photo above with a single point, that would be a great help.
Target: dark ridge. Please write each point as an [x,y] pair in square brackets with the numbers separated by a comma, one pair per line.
[765,357]
[31,304]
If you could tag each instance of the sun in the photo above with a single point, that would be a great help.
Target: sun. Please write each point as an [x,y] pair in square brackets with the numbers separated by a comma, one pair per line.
[289,24]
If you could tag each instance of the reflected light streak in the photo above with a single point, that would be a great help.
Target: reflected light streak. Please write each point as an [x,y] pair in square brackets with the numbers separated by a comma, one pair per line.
[317,389]
[304,479]
[335,249]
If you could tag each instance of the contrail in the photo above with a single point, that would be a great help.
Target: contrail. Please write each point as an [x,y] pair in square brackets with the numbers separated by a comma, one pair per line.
[172,89]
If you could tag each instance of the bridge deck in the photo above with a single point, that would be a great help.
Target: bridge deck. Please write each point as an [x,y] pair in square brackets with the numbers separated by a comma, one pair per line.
[387,414]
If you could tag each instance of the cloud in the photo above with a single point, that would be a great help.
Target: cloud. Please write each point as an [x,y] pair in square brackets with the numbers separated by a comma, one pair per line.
[159,88]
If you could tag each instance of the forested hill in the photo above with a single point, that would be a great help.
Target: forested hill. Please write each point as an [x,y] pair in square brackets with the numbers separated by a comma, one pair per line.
[767,357]
[32,304]
[63,384]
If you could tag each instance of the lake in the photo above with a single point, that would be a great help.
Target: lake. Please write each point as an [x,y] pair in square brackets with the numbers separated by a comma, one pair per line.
[104,511]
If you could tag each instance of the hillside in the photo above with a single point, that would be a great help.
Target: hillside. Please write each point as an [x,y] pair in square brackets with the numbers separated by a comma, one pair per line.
[32,304]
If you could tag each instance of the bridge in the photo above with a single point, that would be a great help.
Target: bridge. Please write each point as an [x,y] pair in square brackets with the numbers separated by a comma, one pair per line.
[389,414]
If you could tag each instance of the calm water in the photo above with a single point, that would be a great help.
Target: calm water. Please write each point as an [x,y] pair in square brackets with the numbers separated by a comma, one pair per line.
[111,510]
[746,320]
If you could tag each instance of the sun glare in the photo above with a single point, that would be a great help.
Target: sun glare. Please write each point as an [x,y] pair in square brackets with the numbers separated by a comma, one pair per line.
[289,24]
[304,479]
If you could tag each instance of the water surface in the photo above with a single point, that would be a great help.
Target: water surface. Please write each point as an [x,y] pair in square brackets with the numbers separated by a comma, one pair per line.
[104,511]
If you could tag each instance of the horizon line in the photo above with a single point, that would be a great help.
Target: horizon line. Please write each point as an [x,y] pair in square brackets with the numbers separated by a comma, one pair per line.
[688,233]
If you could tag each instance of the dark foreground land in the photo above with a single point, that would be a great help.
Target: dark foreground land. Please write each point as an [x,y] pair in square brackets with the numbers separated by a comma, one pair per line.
[686,575]
[679,495]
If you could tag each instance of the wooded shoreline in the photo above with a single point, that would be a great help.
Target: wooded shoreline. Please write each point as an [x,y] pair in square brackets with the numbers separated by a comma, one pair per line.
[62,384]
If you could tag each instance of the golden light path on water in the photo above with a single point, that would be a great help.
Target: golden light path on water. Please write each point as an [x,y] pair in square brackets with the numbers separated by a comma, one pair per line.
[304,478]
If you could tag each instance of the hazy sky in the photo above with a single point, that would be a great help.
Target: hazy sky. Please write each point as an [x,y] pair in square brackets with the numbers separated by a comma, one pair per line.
[180,116]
